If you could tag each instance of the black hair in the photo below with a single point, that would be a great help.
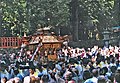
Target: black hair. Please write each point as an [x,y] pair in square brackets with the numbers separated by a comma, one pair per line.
[103,71]
[113,69]
[16,71]
[85,61]
[117,76]
[45,78]
[5,78]
[95,72]
[86,75]
[108,60]
[117,56]
[53,76]
[101,79]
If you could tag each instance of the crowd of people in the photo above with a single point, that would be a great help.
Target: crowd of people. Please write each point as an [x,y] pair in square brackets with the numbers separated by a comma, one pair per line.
[74,65]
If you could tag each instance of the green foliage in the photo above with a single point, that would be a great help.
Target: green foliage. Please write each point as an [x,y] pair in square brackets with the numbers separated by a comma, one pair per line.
[25,15]
[96,16]
[21,16]
[14,17]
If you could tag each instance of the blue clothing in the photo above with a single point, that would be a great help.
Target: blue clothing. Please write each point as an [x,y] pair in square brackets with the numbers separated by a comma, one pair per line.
[20,76]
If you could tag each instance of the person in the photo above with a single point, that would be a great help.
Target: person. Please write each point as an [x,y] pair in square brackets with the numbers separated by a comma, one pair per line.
[52,79]
[101,79]
[5,72]
[68,77]
[32,79]
[44,79]
[17,80]
[26,79]
[117,76]
[58,77]
[17,74]
[87,74]
[31,72]
[4,80]
[94,79]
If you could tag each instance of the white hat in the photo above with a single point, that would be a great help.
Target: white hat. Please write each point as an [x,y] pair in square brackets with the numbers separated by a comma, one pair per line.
[26,79]
[17,80]
[68,73]
[118,68]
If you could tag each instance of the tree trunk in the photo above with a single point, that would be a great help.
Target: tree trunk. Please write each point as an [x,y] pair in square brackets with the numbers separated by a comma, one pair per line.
[117,12]
[74,19]
[0,21]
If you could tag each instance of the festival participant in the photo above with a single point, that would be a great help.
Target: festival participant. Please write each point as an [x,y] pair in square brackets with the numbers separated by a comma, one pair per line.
[17,74]
[32,71]
[101,79]
[5,71]
[4,80]
[17,80]
[68,77]
[94,79]
[117,76]
[104,61]
[45,79]
[26,79]
[59,78]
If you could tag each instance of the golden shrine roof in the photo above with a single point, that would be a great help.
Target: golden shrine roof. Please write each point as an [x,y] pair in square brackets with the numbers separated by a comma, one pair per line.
[49,39]
[44,39]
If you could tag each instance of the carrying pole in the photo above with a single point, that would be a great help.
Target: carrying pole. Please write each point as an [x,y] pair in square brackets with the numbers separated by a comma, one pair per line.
[39,45]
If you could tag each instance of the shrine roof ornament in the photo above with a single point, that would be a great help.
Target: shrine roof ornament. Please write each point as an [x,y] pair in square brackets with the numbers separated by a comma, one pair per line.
[45,28]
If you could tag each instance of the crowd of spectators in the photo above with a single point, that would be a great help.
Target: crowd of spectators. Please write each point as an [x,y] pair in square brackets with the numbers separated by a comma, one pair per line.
[74,65]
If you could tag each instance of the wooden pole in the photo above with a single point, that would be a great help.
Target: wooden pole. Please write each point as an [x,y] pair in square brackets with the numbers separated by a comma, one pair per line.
[39,45]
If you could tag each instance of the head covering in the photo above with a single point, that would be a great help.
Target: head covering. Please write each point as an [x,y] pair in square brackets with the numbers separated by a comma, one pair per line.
[10,81]
[118,68]
[71,81]
[26,79]
[17,80]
